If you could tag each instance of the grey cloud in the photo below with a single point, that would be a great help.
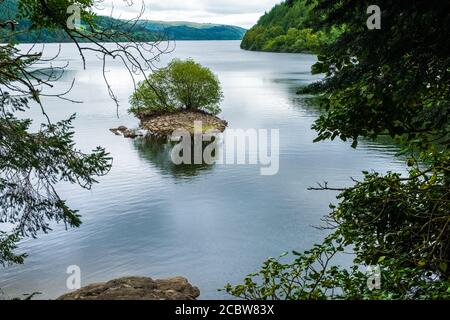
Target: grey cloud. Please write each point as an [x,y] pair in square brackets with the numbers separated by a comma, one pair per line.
[238,12]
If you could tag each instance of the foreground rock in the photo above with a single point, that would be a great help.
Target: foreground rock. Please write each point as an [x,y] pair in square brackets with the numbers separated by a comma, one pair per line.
[136,288]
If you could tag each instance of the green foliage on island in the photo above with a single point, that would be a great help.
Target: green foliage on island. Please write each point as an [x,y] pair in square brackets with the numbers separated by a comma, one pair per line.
[288,28]
[142,30]
[391,82]
[182,85]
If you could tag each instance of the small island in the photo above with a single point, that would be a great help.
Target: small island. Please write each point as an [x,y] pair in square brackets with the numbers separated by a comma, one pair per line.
[165,124]
[175,98]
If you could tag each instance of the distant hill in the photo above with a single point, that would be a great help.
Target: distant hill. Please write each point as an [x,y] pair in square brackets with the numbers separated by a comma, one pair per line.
[143,31]
[195,31]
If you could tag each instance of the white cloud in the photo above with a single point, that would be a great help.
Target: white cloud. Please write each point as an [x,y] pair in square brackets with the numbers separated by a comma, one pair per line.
[244,13]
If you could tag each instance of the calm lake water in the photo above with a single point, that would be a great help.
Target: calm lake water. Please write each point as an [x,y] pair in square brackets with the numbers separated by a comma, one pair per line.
[212,225]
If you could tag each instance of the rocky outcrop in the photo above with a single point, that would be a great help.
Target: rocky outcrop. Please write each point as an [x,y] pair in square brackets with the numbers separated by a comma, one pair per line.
[127,133]
[165,124]
[136,288]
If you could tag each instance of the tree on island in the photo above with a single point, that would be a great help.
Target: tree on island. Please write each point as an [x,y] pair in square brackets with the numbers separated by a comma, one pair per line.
[182,85]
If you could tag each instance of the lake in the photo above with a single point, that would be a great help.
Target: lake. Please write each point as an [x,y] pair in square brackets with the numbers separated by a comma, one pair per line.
[211,224]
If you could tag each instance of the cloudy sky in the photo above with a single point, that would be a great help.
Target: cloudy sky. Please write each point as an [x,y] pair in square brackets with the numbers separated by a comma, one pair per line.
[244,13]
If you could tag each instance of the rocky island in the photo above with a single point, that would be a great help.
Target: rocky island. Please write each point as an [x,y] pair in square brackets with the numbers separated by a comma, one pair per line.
[164,124]
[174,98]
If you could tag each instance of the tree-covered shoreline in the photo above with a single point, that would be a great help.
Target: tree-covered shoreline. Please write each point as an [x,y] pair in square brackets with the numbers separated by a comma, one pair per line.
[288,27]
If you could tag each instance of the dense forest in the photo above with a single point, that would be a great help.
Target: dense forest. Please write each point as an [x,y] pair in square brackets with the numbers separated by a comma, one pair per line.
[287,28]
[143,30]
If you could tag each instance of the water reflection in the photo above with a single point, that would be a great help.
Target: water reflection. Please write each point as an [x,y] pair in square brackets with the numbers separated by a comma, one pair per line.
[157,151]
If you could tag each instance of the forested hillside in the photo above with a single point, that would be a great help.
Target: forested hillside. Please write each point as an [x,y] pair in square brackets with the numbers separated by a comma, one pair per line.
[287,28]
